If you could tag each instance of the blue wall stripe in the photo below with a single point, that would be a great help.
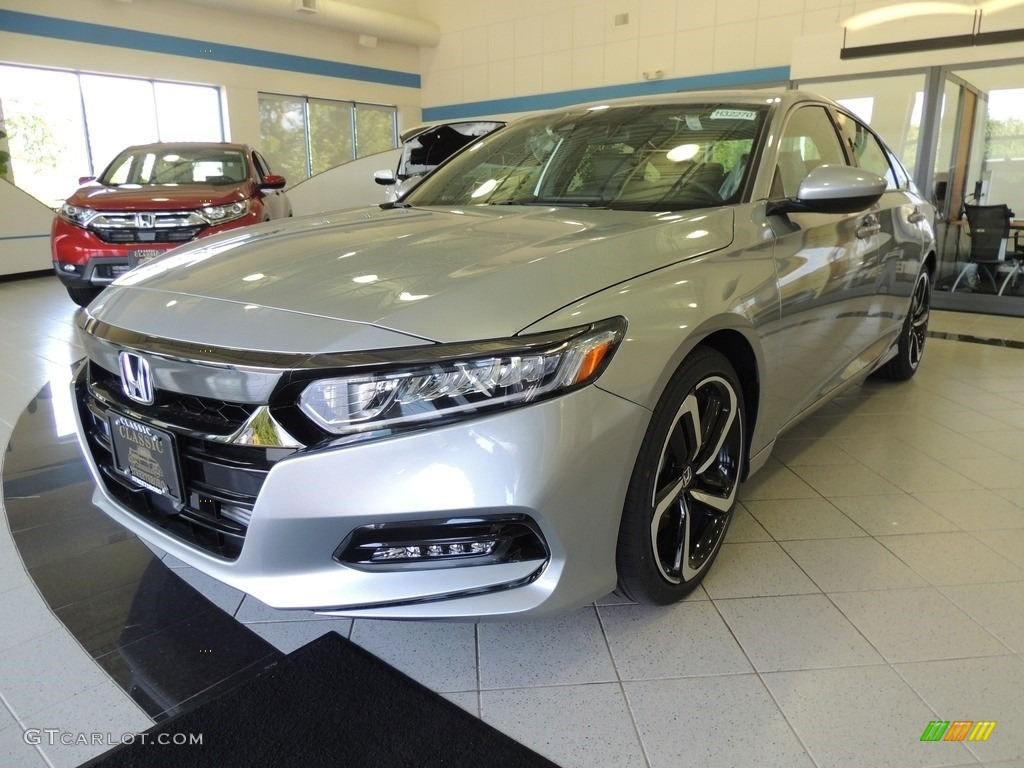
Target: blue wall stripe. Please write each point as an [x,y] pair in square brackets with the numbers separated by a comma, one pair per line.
[21,237]
[83,32]
[752,77]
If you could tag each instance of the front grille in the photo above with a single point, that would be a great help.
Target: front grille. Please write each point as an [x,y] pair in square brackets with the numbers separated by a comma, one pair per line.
[182,235]
[155,227]
[220,482]
[193,413]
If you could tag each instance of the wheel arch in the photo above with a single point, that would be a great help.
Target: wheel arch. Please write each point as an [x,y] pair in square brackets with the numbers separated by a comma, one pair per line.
[737,349]
[931,264]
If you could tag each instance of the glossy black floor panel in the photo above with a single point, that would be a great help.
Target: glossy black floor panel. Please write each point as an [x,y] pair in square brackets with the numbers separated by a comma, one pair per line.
[121,616]
[91,573]
[44,544]
[183,664]
[167,645]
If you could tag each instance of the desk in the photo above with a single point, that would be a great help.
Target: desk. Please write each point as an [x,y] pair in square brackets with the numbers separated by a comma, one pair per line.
[1014,223]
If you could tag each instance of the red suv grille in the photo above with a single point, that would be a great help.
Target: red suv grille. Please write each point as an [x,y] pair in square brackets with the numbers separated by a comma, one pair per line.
[147,235]
[148,226]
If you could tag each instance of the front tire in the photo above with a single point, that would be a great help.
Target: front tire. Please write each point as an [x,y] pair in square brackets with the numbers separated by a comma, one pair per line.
[82,294]
[913,335]
[684,484]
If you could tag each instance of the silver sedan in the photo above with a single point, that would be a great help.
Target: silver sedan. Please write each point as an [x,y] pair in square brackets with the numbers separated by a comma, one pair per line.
[541,374]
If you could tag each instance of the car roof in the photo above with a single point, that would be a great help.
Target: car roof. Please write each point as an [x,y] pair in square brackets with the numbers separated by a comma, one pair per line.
[731,96]
[163,146]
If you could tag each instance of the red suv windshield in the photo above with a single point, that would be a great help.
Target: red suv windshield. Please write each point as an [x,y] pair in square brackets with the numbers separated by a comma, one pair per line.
[177,166]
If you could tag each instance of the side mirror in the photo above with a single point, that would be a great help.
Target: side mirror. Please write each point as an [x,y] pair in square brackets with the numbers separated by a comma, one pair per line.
[85,179]
[272,181]
[384,178]
[832,189]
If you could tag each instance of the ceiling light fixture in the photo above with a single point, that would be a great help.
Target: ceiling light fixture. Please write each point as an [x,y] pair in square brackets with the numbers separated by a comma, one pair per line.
[895,12]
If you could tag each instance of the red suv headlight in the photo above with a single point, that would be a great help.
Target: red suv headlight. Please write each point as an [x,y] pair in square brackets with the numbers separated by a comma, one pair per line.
[77,215]
[218,214]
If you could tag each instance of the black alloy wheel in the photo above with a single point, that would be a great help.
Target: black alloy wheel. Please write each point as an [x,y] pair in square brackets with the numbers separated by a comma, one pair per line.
[914,333]
[684,485]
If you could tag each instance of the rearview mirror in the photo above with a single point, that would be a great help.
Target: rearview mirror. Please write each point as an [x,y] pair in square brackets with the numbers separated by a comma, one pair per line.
[384,178]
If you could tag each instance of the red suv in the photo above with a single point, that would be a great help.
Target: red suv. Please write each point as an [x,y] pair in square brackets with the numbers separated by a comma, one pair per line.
[154,197]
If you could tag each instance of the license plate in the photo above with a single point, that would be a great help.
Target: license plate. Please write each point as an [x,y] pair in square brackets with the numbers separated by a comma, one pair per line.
[136,258]
[145,455]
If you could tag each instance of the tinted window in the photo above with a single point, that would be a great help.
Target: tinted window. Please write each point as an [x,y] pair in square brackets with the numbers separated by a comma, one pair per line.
[808,140]
[864,145]
[262,167]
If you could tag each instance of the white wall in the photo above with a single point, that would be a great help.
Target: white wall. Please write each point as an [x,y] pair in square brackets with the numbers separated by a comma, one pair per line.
[494,51]
[24,232]
[493,57]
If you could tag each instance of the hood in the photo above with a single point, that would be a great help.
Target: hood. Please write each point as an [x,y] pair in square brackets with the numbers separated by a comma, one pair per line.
[443,276]
[157,197]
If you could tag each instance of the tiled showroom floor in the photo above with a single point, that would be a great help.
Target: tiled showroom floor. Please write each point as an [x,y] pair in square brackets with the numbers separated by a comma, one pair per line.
[872,581]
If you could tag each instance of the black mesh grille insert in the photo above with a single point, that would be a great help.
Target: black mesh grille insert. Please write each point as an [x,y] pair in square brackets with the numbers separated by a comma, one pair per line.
[177,235]
[220,482]
[198,413]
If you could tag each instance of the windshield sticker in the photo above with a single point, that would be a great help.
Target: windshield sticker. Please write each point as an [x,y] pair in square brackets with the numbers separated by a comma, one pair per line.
[733,114]
[693,122]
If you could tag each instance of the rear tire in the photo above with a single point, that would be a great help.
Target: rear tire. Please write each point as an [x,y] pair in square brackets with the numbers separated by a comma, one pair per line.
[913,335]
[82,294]
[684,485]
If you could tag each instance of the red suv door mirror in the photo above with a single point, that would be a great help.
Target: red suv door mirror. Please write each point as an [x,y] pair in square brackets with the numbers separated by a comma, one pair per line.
[272,181]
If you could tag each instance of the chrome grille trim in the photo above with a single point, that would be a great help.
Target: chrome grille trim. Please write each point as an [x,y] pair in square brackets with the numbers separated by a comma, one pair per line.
[217,381]
[259,430]
[147,220]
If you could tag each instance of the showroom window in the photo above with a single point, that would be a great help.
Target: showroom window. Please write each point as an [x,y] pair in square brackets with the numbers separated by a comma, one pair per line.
[1002,178]
[63,125]
[303,136]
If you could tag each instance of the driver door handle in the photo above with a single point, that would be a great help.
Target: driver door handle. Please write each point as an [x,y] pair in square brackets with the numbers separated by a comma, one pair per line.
[868,226]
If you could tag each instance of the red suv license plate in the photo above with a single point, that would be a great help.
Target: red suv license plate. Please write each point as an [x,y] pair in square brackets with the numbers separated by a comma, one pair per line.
[137,258]
[145,455]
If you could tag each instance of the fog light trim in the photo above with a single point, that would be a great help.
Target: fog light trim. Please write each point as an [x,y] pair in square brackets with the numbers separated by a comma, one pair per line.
[451,543]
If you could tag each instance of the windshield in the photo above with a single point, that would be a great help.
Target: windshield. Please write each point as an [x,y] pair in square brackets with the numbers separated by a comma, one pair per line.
[657,157]
[177,165]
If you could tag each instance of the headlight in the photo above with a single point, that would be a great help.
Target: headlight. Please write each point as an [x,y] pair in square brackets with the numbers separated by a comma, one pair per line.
[77,215]
[516,372]
[218,214]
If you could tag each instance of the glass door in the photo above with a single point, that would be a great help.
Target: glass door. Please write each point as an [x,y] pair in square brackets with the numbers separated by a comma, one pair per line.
[980,162]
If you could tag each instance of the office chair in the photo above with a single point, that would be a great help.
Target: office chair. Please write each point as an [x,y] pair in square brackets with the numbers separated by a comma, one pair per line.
[989,227]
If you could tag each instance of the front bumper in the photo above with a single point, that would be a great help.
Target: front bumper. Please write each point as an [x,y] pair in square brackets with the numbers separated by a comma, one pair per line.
[563,464]
[82,258]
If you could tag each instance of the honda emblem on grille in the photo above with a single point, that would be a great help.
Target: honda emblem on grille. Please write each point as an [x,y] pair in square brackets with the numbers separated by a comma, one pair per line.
[145,220]
[136,377]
